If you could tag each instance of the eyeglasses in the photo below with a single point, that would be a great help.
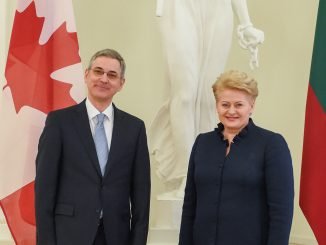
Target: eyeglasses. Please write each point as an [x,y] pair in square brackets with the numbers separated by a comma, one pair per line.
[111,75]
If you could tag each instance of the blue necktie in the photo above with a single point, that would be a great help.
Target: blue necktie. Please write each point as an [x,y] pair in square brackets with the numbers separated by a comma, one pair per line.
[101,142]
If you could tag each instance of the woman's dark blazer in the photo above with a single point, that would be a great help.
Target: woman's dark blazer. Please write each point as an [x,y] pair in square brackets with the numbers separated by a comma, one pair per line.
[244,198]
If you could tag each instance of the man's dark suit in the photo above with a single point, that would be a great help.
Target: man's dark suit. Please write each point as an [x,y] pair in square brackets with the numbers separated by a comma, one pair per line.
[70,191]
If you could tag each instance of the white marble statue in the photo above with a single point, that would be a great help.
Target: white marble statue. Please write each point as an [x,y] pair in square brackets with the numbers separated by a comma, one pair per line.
[197,36]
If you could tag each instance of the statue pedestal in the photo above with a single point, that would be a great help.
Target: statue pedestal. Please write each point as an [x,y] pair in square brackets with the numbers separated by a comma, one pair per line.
[165,226]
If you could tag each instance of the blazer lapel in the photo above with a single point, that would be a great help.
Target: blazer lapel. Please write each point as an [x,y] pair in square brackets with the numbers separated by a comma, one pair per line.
[84,131]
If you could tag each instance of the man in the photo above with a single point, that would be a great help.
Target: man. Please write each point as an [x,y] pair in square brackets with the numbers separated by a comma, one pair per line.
[92,182]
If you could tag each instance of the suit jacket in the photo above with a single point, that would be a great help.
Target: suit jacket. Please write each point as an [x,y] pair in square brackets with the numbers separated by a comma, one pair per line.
[70,191]
[244,198]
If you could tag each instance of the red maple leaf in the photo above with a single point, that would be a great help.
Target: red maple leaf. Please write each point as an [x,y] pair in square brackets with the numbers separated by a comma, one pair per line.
[30,64]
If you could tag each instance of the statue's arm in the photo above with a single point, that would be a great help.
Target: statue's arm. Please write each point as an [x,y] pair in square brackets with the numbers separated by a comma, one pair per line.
[249,36]
[159,8]
[241,9]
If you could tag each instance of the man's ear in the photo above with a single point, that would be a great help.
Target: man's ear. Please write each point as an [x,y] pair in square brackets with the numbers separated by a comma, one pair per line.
[86,72]
[122,83]
[123,80]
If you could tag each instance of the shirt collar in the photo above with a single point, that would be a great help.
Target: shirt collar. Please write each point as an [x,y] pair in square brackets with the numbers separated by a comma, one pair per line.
[93,112]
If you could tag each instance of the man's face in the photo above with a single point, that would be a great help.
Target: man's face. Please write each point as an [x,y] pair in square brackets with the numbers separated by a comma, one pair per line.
[103,80]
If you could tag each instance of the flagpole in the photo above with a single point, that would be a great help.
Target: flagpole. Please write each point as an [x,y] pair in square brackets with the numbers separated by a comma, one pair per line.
[3,8]
[5,236]
[7,12]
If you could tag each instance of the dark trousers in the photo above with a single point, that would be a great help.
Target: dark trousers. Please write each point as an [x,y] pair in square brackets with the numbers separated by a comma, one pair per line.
[100,236]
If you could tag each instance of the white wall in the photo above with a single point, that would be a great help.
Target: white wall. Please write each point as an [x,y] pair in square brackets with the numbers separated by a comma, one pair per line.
[131,28]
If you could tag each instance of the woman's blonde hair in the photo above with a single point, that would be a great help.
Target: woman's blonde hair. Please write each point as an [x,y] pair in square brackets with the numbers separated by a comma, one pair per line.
[235,80]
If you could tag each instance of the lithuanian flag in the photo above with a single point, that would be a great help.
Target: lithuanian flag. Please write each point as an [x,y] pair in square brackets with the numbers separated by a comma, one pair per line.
[313,171]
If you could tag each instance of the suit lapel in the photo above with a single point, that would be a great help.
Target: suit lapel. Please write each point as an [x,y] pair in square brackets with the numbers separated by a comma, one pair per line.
[82,126]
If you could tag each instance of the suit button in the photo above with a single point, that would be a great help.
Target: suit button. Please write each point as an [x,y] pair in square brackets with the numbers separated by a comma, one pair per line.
[98,210]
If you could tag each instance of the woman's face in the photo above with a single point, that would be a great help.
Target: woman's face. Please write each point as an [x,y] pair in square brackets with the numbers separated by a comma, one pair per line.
[234,108]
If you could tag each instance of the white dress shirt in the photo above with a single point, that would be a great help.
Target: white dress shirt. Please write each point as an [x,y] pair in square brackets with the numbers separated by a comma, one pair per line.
[108,120]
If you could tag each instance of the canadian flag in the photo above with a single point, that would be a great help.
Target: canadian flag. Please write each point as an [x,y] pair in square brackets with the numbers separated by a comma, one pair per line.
[43,73]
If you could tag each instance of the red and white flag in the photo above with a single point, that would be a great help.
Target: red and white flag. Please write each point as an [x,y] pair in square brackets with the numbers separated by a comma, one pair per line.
[43,73]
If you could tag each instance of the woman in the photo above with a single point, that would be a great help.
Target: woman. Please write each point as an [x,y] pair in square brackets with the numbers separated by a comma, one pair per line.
[196,36]
[240,180]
